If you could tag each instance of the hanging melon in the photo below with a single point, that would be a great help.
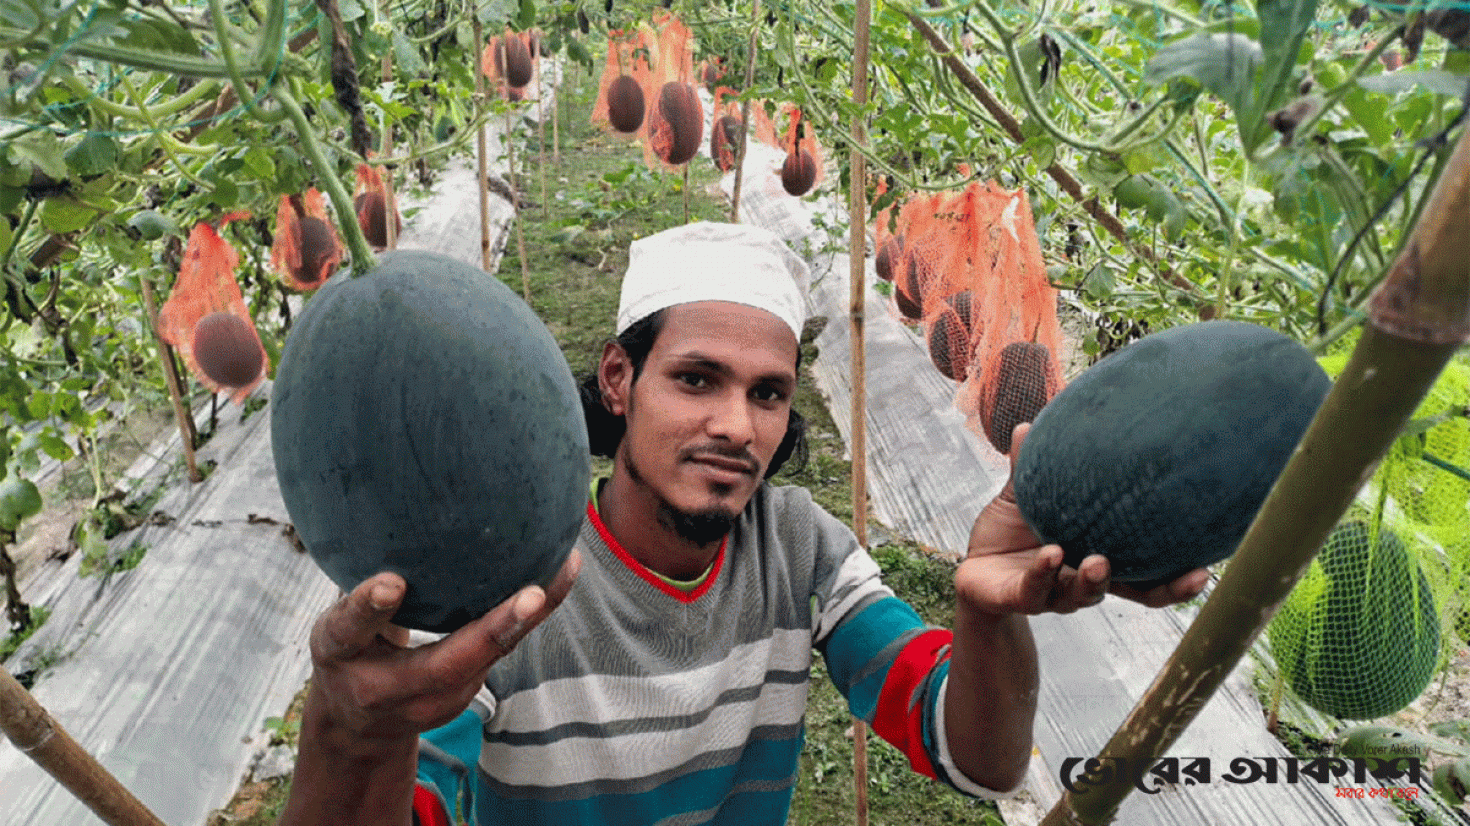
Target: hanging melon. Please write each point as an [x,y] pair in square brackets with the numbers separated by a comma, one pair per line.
[1359,635]
[677,126]
[1159,456]
[424,421]
[625,104]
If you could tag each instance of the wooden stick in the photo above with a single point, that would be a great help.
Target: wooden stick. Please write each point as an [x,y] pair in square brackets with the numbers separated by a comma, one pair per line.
[541,125]
[755,28]
[515,206]
[481,151]
[35,733]
[556,114]
[857,276]
[172,378]
[390,201]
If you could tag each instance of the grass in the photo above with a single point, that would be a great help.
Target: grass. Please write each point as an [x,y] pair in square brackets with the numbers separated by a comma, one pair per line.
[600,197]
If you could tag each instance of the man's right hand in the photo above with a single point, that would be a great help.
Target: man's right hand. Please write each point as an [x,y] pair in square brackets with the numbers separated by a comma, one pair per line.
[371,696]
[372,686]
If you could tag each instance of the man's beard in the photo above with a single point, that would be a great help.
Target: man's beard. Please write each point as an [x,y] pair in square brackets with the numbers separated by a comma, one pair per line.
[701,527]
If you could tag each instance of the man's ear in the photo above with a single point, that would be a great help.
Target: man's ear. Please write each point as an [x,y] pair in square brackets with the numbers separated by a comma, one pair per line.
[615,378]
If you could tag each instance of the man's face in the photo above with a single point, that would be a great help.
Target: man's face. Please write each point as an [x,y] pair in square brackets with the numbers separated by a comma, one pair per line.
[710,408]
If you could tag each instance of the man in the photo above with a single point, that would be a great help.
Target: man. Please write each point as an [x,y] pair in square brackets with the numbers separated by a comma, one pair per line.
[670,684]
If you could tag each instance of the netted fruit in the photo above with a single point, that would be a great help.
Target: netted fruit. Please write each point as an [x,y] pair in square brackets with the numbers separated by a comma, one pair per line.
[798,173]
[677,124]
[625,104]
[1017,385]
[227,350]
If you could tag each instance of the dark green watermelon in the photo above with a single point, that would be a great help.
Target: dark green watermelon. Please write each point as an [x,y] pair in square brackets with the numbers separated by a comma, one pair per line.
[424,421]
[1359,636]
[1159,456]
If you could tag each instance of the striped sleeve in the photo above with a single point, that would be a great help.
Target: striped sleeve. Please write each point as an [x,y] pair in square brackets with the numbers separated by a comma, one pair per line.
[891,666]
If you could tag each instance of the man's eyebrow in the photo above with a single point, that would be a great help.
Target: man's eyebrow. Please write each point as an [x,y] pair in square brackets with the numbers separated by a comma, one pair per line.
[714,365]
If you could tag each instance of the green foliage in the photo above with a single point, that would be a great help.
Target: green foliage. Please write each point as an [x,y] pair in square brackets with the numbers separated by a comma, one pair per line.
[37,618]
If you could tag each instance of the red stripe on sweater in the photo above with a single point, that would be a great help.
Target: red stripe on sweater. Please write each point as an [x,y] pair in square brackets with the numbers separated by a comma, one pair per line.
[899,716]
[427,810]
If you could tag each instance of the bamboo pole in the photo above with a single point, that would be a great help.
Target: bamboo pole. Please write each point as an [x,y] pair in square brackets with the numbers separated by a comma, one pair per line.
[390,200]
[41,738]
[172,378]
[755,29]
[481,150]
[857,276]
[1417,319]
[541,124]
[515,206]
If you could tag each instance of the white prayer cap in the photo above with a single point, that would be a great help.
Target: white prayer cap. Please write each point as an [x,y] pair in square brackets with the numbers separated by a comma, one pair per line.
[706,261]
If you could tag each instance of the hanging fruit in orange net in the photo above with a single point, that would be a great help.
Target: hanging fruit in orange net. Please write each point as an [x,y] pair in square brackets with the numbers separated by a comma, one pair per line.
[306,251]
[205,317]
[508,58]
[711,71]
[803,165]
[967,265]
[622,97]
[374,208]
[726,131]
[674,122]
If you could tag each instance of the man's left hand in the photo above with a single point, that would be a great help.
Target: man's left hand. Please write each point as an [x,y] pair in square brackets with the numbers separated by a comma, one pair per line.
[1009,571]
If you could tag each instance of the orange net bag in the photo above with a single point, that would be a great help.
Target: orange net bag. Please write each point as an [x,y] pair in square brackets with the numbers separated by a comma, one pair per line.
[726,131]
[305,251]
[674,122]
[967,268]
[375,207]
[205,317]
[802,170]
[622,99]
[509,59]
[648,90]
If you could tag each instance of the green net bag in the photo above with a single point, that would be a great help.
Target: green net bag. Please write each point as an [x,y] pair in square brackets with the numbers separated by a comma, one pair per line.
[1364,631]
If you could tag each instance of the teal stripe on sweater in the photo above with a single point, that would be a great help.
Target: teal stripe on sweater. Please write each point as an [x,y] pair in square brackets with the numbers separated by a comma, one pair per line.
[744,793]
[885,626]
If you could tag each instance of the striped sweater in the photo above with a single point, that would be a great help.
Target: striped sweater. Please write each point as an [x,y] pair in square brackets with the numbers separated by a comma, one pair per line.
[637,703]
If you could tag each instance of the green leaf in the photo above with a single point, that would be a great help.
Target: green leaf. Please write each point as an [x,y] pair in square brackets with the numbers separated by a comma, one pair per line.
[1225,64]
[66,214]
[1435,80]
[410,64]
[1452,781]
[94,154]
[40,149]
[350,9]
[258,161]
[19,499]
[152,225]
[55,447]
[578,52]
[526,17]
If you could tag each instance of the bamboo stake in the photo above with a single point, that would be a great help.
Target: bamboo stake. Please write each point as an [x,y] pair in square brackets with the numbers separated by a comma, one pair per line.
[556,115]
[857,276]
[755,29]
[541,125]
[36,734]
[171,377]
[1417,319]
[481,150]
[515,206]
[390,201]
